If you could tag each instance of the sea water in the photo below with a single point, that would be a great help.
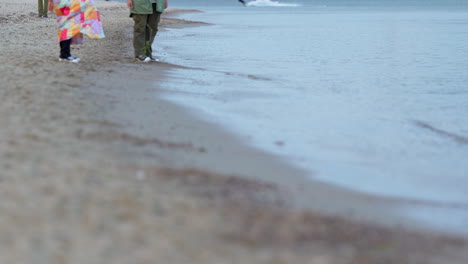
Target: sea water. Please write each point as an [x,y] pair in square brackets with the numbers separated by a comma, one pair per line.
[367,95]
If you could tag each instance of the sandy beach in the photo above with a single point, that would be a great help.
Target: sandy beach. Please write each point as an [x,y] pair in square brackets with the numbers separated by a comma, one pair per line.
[95,168]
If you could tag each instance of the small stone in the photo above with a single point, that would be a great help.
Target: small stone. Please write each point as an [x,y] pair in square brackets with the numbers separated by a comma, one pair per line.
[279,143]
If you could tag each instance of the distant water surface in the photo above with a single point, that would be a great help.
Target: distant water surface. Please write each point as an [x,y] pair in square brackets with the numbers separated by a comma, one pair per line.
[372,98]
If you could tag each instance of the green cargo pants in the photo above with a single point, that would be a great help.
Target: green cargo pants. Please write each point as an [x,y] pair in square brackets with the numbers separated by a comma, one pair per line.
[144,32]
[42,6]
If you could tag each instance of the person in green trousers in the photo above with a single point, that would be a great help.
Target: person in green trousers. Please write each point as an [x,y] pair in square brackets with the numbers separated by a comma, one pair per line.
[42,7]
[146,14]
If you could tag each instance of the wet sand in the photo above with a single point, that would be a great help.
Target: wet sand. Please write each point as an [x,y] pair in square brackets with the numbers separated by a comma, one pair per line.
[95,168]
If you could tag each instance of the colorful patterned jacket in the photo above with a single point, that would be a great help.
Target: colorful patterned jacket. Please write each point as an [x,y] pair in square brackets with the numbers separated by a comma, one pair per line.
[76,18]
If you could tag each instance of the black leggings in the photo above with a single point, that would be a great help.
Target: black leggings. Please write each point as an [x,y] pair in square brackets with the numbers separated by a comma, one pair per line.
[65,48]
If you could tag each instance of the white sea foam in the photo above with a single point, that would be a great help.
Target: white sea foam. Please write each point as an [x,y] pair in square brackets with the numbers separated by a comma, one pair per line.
[263,3]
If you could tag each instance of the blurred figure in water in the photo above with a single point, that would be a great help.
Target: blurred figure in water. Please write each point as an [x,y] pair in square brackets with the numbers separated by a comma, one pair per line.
[42,7]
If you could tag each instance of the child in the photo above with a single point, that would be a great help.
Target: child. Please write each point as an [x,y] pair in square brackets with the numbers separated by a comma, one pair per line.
[75,18]
[146,14]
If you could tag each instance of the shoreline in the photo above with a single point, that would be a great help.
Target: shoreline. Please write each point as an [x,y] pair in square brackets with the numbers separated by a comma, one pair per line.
[89,155]
[409,213]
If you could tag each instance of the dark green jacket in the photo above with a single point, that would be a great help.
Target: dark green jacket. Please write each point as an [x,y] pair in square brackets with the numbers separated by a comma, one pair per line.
[142,7]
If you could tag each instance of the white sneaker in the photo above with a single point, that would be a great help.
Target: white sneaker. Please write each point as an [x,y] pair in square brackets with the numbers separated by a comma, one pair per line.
[153,59]
[70,59]
[143,59]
